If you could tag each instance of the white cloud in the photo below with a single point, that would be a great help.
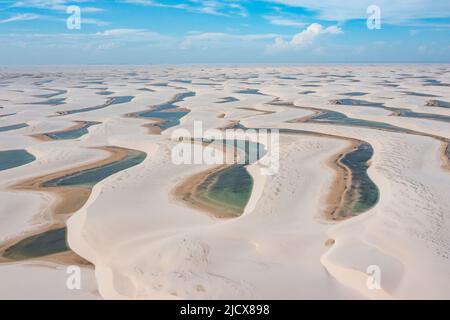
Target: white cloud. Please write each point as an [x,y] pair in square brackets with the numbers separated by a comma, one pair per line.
[128,35]
[305,38]
[151,3]
[213,7]
[217,38]
[91,9]
[120,32]
[280,21]
[21,17]
[104,39]
[391,11]
[57,5]
[96,22]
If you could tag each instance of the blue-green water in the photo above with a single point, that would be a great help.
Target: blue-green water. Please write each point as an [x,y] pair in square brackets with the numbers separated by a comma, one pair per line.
[44,244]
[169,118]
[438,103]
[437,83]
[51,102]
[7,115]
[250,91]
[228,100]
[105,93]
[13,127]
[363,193]
[307,92]
[110,102]
[51,95]
[230,188]
[338,118]
[182,81]
[401,112]
[54,241]
[253,151]
[286,78]
[92,82]
[355,102]
[146,89]
[333,117]
[429,116]
[89,177]
[418,94]
[14,158]
[72,134]
[354,94]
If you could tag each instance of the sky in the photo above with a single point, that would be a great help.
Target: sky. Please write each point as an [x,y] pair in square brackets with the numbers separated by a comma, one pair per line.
[223,31]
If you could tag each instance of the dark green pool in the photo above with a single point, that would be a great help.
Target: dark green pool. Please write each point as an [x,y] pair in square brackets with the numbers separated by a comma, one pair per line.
[363,193]
[54,241]
[13,127]
[110,102]
[51,102]
[163,112]
[14,158]
[250,91]
[228,100]
[401,112]
[230,188]
[333,117]
[89,177]
[44,244]
[72,134]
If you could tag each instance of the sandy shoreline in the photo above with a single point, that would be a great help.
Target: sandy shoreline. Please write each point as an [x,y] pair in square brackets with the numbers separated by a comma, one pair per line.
[67,201]
[445,154]
[342,183]
[45,136]
[185,192]
[154,128]
[150,235]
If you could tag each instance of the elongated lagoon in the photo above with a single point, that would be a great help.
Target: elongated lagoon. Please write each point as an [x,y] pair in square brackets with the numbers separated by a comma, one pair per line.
[75,133]
[43,244]
[13,127]
[401,112]
[110,102]
[54,241]
[227,190]
[89,177]
[168,114]
[14,158]
[362,194]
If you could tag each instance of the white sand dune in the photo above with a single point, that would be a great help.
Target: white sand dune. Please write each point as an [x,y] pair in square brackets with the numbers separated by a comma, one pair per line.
[37,281]
[146,244]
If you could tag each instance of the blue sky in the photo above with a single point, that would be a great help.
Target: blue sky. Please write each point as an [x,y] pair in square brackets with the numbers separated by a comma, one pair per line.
[226,31]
